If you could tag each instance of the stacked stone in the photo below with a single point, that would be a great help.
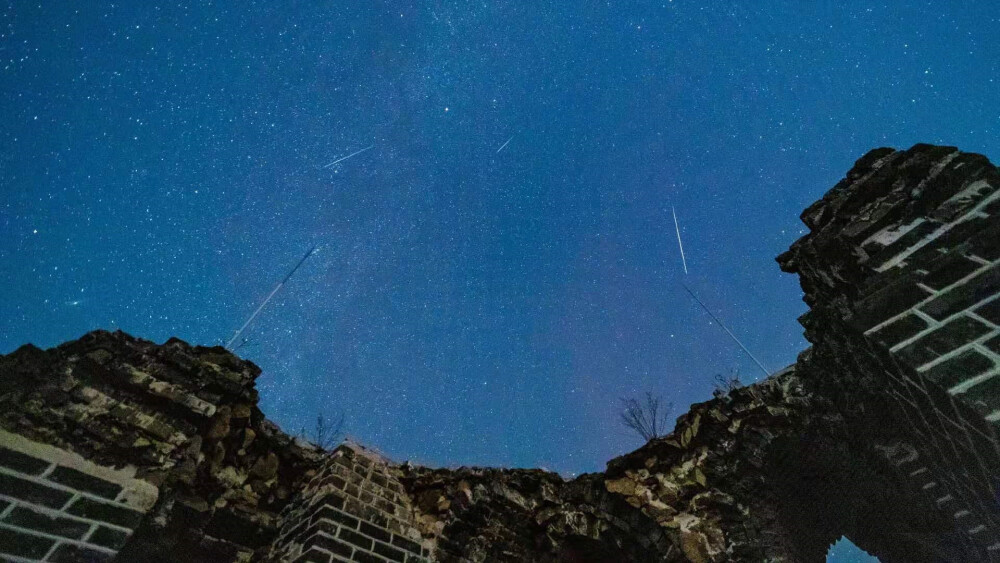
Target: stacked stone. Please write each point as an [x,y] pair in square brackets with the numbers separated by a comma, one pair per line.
[354,509]
[185,418]
[482,514]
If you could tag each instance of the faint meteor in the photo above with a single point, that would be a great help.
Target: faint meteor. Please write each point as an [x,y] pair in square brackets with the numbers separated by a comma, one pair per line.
[681,246]
[729,332]
[504,145]
[343,158]
[268,298]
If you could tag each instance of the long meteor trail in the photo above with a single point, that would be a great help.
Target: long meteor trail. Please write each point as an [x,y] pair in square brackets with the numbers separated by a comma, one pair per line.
[268,298]
[681,246]
[343,158]
[729,332]
[504,144]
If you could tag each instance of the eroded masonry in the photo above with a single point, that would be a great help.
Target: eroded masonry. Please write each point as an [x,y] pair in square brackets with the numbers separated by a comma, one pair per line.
[885,430]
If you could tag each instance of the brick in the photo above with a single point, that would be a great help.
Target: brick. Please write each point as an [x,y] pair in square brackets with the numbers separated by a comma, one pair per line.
[889,301]
[355,538]
[375,532]
[933,345]
[82,482]
[334,500]
[328,543]
[385,505]
[108,537]
[945,247]
[365,512]
[966,295]
[993,344]
[899,330]
[24,545]
[948,270]
[335,481]
[952,209]
[986,393]
[105,512]
[55,525]
[313,555]
[238,527]
[32,492]
[990,311]
[365,557]
[963,168]
[330,513]
[407,544]
[986,244]
[965,366]
[912,237]
[389,552]
[21,462]
[68,553]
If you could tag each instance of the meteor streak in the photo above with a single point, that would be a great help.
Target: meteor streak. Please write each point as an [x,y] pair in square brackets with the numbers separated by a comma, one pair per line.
[729,332]
[342,159]
[681,246]
[268,298]
[504,144]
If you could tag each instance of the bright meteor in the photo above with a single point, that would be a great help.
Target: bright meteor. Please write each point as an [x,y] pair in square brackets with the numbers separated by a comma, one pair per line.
[681,246]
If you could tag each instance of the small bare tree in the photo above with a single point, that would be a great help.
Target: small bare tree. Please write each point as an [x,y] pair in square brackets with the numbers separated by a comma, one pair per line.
[326,434]
[648,419]
[725,385]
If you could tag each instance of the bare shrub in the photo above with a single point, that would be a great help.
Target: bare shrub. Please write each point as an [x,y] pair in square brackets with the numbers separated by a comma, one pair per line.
[649,418]
[327,434]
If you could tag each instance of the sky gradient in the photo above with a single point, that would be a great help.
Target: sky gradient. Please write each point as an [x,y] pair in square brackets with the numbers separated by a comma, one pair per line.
[162,167]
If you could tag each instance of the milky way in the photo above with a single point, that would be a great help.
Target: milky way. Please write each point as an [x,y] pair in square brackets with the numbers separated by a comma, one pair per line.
[491,186]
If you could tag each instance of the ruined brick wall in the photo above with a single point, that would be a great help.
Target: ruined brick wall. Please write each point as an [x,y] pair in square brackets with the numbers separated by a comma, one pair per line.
[354,509]
[906,250]
[182,419]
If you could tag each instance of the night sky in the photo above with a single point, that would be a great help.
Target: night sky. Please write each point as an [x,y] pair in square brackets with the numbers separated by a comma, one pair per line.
[163,166]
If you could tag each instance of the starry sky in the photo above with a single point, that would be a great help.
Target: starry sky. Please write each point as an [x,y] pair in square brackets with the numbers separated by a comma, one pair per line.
[499,264]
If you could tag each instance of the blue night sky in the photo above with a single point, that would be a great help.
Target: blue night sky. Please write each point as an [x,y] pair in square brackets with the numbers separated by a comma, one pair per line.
[163,166]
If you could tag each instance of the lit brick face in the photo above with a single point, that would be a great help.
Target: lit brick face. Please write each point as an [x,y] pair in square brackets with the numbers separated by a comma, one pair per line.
[56,506]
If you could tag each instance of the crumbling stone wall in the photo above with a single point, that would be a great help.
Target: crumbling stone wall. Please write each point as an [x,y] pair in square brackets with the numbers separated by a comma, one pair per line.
[906,250]
[183,419]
